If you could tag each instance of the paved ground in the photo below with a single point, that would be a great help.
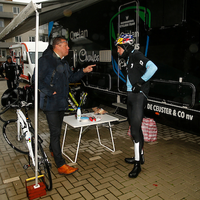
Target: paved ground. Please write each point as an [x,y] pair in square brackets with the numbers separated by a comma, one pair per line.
[171,169]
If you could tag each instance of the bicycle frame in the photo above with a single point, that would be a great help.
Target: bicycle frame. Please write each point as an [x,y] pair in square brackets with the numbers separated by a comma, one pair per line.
[72,101]
[25,134]
[22,125]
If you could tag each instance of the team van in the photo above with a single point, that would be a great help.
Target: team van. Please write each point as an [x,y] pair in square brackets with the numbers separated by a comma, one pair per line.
[24,54]
[171,39]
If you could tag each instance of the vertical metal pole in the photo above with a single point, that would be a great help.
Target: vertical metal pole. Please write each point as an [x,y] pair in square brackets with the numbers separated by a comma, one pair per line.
[137,22]
[36,97]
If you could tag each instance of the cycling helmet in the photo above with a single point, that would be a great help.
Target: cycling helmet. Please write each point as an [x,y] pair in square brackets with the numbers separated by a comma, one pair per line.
[125,39]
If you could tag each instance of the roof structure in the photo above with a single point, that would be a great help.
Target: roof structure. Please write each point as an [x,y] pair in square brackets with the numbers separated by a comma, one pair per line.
[50,11]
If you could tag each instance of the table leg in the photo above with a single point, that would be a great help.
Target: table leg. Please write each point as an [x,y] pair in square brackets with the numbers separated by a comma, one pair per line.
[111,135]
[79,140]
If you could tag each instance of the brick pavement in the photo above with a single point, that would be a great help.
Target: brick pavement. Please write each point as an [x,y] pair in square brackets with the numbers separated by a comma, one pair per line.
[171,169]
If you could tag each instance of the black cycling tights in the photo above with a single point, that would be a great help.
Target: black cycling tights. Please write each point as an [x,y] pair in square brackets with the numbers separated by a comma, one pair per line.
[135,107]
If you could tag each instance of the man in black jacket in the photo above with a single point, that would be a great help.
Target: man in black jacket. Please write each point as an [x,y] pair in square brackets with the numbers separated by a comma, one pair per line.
[54,78]
[12,72]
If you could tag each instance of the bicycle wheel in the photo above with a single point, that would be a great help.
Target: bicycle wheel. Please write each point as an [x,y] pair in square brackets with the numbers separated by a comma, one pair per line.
[43,165]
[10,135]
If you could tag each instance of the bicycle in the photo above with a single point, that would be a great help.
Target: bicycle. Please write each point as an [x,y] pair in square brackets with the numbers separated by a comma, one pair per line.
[73,104]
[19,134]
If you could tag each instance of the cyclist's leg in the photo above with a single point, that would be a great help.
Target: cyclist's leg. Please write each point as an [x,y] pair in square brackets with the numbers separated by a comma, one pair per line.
[9,84]
[135,109]
[15,84]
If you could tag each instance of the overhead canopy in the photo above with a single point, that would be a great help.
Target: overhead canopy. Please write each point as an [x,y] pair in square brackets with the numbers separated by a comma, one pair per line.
[50,11]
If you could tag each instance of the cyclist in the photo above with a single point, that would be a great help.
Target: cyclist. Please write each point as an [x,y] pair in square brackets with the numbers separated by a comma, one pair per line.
[139,70]
[12,72]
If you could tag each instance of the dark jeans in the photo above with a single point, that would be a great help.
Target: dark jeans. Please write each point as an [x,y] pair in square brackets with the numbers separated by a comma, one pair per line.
[135,107]
[55,120]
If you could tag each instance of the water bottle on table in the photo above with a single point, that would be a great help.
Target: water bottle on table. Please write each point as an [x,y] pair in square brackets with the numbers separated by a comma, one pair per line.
[79,114]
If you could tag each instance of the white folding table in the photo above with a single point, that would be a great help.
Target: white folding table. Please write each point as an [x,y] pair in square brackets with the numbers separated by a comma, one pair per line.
[72,121]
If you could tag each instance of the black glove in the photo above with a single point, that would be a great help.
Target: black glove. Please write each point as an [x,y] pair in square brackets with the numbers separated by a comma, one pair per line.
[137,86]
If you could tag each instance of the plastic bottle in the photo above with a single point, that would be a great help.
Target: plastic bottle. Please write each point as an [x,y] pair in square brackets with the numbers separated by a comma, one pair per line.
[79,114]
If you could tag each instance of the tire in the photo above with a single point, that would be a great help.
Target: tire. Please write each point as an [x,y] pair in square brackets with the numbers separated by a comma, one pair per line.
[10,135]
[43,165]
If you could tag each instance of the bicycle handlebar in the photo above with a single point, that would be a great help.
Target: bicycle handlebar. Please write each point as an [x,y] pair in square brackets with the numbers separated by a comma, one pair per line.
[20,104]
[25,104]
[7,107]
[16,104]
[5,110]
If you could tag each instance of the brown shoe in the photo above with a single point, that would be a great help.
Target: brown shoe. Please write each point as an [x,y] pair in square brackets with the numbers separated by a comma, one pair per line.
[66,169]
[52,154]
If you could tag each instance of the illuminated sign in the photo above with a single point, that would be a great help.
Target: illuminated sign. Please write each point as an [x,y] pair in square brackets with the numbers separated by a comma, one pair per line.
[79,34]
[84,56]
[127,23]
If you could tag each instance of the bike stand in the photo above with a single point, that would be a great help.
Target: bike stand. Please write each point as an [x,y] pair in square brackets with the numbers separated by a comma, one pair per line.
[29,163]
[34,191]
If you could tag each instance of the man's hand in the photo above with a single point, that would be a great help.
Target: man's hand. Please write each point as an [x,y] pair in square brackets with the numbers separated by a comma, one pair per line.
[88,69]
[6,78]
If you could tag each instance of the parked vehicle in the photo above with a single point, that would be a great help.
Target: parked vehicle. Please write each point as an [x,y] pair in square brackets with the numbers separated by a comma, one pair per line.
[24,54]
[167,32]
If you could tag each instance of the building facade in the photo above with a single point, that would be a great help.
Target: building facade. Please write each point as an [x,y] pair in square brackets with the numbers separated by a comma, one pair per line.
[8,11]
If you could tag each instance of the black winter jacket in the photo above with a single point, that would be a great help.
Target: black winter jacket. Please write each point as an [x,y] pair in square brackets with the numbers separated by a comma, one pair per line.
[10,70]
[54,76]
